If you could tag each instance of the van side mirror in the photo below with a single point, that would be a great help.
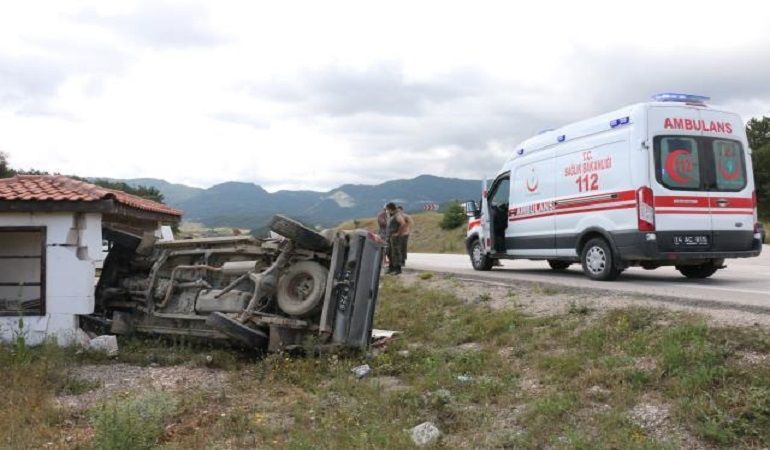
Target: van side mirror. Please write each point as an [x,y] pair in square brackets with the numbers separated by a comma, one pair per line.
[471,210]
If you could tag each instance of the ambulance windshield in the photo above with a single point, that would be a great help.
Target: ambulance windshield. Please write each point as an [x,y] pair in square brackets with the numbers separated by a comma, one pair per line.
[696,163]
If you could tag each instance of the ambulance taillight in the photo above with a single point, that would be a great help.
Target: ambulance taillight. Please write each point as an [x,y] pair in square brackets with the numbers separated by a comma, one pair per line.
[645,209]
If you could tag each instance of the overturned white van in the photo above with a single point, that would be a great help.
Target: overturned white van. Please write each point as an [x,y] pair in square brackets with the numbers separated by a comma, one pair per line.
[666,182]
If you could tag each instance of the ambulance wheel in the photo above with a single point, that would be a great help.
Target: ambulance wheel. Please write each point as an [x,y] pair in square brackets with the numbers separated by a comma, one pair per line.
[303,236]
[598,261]
[479,260]
[701,271]
[558,265]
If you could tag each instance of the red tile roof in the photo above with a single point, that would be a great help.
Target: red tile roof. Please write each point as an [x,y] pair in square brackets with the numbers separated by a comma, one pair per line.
[61,188]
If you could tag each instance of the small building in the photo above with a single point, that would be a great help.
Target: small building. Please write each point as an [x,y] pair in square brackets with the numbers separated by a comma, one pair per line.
[51,241]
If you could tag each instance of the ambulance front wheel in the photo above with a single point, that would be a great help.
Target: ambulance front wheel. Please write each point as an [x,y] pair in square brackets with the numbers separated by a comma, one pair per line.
[598,261]
[479,259]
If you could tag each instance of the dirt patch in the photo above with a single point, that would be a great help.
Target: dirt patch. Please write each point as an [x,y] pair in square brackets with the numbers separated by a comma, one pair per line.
[653,415]
[389,383]
[545,300]
[122,379]
[754,358]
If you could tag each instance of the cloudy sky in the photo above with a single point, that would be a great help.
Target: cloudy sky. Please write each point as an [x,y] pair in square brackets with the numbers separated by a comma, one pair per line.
[310,95]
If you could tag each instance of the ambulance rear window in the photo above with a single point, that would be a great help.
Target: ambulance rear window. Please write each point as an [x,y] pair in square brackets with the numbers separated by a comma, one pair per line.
[699,163]
[678,163]
[730,172]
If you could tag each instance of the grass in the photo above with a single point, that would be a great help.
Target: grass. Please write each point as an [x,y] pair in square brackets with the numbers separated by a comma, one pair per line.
[427,236]
[134,423]
[563,381]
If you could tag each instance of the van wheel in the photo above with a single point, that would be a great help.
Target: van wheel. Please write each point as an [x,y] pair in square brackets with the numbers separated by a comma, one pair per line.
[303,236]
[301,288]
[701,271]
[598,261]
[479,260]
[558,264]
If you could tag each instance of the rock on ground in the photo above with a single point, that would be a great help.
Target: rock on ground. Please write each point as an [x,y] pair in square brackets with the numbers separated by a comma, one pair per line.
[425,434]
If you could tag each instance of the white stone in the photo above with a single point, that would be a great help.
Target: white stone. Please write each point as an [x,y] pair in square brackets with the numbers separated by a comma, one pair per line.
[106,343]
[425,434]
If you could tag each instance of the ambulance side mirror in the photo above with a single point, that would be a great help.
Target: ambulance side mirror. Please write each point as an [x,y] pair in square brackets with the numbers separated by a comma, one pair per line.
[471,210]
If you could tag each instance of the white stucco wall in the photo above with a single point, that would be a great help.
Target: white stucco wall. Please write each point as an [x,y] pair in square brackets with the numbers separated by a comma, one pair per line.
[69,278]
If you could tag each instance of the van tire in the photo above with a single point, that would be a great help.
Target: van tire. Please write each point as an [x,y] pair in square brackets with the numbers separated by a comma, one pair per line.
[479,260]
[557,264]
[303,236]
[701,271]
[598,261]
[301,288]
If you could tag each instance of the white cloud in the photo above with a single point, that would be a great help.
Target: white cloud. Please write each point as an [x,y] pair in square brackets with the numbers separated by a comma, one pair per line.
[316,94]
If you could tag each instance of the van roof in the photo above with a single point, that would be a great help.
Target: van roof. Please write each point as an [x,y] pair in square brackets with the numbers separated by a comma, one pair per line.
[593,125]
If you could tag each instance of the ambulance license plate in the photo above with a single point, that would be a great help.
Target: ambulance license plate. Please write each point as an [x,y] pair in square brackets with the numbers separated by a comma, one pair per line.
[691,241]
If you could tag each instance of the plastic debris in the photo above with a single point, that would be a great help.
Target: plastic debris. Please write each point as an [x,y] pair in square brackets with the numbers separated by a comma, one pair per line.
[464,378]
[361,371]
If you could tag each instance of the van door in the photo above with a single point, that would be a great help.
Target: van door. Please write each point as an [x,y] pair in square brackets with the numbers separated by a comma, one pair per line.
[680,181]
[531,229]
[495,212]
[730,182]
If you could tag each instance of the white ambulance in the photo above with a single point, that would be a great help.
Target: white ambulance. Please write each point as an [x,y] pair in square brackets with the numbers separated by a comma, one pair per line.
[667,182]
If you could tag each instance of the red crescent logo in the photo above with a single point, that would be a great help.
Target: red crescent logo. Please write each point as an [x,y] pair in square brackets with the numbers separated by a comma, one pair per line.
[677,160]
[529,187]
[727,175]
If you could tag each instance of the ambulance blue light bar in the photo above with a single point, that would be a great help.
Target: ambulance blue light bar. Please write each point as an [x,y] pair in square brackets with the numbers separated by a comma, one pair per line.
[561,138]
[618,122]
[675,97]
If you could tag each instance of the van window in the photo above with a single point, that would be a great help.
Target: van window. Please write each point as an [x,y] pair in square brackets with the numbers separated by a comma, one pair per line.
[695,163]
[678,163]
[728,158]
[500,196]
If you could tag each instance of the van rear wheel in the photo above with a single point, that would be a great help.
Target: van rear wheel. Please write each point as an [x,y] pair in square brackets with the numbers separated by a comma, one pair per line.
[479,259]
[598,261]
[701,271]
[558,265]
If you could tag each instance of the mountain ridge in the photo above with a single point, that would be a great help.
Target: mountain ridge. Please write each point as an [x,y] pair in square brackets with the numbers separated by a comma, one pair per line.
[249,205]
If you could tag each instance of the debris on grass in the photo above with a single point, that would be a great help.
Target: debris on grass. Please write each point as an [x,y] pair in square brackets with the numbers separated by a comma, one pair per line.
[361,371]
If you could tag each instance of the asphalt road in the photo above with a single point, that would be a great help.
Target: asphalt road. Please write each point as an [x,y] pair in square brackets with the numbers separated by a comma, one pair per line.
[744,284]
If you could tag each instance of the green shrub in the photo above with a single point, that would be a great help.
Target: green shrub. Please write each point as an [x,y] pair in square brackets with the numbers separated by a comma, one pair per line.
[454,216]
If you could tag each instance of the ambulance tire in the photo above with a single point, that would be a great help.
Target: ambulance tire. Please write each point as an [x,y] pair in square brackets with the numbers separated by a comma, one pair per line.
[598,261]
[479,260]
[701,271]
[303,236]
[558,264]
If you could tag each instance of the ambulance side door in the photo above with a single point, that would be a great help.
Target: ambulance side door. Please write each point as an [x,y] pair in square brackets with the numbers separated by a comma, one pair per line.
[531,221]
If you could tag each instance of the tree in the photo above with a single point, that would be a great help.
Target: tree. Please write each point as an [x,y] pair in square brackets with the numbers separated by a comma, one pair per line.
[454,216]
[5,167]
[758,133]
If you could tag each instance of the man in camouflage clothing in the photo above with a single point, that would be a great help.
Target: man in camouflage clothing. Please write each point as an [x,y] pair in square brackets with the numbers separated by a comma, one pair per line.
[396,225]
